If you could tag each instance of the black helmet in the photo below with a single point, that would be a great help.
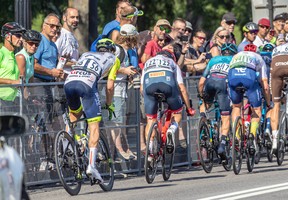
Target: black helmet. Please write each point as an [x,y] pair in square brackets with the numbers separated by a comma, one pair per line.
[12,27]
[31,35]
[167,53]
[106,44]
[250,26]
[228,49]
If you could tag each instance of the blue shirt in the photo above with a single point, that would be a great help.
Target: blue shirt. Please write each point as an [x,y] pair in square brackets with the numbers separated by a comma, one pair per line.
[110,26]
[133,57]
[46,55]
[242,45]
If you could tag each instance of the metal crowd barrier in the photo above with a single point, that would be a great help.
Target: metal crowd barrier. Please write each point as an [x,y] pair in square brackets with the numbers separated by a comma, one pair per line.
[36,146]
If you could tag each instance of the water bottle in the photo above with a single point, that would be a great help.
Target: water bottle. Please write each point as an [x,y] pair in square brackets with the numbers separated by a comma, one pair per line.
[61,63]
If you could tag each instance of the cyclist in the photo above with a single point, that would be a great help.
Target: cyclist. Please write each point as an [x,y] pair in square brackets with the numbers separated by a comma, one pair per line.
[250,31]
[245,68]
[213,84]
[81,83]
[162,74]
[279,70]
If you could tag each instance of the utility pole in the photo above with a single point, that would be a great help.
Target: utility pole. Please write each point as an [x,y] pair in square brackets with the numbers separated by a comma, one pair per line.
[23,13]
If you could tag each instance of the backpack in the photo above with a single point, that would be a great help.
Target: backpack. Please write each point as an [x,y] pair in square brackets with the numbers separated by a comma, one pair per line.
[101,36]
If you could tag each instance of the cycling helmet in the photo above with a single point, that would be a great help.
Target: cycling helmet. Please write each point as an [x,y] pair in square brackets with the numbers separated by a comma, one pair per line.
[167,53]
[250,47]
[31,35]
[250,26]
[12,27]
[105,45]
[268,47]
[229,49]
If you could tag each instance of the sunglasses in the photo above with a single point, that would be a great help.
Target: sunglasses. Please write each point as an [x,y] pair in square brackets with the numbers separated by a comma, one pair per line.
[53,26]
[18,35]
[200,38]
[33,43]
[224,36]
[255,32]
[272,32]
[188,30]
[163,28]
[230,22]
[266,27]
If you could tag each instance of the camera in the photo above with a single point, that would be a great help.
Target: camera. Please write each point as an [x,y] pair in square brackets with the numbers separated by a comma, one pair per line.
[184,38]
[208,56]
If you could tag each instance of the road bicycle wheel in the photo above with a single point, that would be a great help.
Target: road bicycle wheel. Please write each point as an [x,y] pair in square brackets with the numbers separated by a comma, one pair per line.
[204,145]
[281,139]
[250,156]
[259,143]
[104,163]
[151,156]
[228,164]
[66,165]
[237,145]
[167,164]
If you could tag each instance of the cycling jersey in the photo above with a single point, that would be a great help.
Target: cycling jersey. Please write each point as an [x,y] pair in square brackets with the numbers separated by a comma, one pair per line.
[279,70]
[161,74]
[215,86]
[245,68]
[83,79]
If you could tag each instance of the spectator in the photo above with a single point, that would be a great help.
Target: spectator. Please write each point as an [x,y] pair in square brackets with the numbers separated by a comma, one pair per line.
[188,30]
[285,29]
[155,45]
[45,71]
[278,23]
[67,43]
[57,35]
[228,22]
[220,36]
[126,40]
[264,28]
[25,57]
[250,31]
[196,62]
[11,32]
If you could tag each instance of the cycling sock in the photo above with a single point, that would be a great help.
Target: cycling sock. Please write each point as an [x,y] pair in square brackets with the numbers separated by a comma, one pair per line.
[92,157]
[275,133]
[253,128]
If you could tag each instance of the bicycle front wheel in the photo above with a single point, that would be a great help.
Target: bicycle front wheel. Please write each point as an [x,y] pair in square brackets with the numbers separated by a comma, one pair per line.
[104,163]
[66,165]
[151,154]
[237,145]
[204,145]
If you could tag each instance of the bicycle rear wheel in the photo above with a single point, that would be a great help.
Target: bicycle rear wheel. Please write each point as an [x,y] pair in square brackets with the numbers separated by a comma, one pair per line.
[167,164]
[281,139]
[204,145]
[250,156]
[151,156]
[104,163]
[237,145]
[66,165]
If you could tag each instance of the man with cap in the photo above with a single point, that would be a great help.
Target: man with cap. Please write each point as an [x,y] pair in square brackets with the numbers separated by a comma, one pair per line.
[188,30]
[228,22]
[264,28]
[155,45]
[278,23]
[11,33]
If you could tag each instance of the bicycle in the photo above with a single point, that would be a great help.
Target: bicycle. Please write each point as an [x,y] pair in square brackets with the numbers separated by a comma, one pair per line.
[159,152]
[208,140]
[242,142]
[71,157]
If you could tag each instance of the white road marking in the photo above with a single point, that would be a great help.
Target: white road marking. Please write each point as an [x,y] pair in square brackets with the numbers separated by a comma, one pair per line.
[250,192]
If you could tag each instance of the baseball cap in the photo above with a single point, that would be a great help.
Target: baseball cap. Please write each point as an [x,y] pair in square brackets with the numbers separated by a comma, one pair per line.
[163,22]
[128,30]
[264,22]
[280,16]
[229,17]
[189,25]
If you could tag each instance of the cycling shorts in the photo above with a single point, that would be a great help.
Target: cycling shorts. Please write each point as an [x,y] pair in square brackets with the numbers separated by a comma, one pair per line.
[247,78]
[216,88]
[76,90]
[279,70]
[163,84]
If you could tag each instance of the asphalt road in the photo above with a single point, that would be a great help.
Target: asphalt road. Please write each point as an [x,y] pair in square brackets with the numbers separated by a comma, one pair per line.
[267,181]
